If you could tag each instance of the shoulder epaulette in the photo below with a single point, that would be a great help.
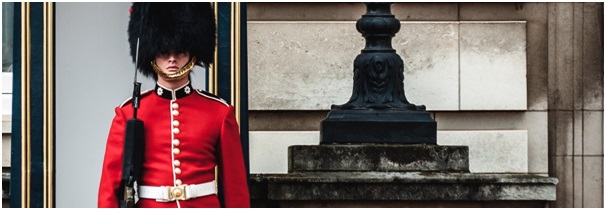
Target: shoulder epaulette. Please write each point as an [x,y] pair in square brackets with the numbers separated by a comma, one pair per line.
[144,93]
[211,96]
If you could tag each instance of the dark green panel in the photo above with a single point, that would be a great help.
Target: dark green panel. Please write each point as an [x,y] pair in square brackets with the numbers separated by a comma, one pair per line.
[37,104]
[223,63]
[244,87]
[15,182]
[223,51]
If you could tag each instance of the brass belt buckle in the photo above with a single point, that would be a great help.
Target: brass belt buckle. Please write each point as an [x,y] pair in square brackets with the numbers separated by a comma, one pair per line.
[177,193]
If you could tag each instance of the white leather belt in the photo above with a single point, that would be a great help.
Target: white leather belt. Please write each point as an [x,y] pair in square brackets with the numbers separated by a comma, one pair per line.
[182,192]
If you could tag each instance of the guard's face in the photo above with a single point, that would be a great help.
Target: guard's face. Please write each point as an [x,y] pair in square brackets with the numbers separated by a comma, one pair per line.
[171,62]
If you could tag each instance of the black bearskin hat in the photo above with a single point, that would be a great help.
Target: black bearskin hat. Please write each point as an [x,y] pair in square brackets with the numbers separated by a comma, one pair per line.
[162,27]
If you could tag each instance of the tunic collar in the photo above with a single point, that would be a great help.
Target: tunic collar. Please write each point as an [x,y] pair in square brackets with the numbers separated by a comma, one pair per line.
[169,94]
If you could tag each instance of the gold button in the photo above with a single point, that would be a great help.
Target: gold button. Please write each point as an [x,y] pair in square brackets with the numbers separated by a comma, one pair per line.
[177,171]
[176,123]
[178,182]
[175,106]
[176,142]
[177,163]
[176,151]
[175,113]
[176,131]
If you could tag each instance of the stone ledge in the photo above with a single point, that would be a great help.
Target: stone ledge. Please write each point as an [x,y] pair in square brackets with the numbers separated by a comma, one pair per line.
[411,186]
[490,151]
[6,178]
[400,204]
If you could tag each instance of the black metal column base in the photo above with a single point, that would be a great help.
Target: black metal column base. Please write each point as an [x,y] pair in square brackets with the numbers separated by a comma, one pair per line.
[397,126]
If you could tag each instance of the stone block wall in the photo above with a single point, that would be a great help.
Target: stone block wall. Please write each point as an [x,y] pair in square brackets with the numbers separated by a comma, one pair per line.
[500,75]
[449,66]
[7,94]
[576,102]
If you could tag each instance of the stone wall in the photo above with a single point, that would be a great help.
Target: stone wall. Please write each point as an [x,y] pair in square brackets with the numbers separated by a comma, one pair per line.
[543,108]
[576,102]
[7,94]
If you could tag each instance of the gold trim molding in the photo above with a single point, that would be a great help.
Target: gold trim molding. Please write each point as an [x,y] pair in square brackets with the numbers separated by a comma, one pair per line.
[48,98]
[25,105]
[48,132]
[235,57]
[212,71]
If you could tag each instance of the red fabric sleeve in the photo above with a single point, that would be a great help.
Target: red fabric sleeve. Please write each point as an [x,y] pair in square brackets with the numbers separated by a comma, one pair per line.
[112,163]
[231,164]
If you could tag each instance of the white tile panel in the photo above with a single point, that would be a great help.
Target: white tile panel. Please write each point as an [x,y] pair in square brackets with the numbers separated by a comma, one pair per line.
[493,65]
[449,66]
[430,53]
[491,151]
[268,150]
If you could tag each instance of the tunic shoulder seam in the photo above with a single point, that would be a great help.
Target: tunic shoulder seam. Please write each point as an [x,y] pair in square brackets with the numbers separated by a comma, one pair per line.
[144,93]
[212,97]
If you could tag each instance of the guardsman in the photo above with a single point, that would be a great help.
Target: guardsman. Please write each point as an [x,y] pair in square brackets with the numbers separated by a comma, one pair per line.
[187,131]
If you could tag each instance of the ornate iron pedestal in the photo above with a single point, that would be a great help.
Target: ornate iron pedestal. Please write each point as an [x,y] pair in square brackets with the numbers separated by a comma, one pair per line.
[378,111]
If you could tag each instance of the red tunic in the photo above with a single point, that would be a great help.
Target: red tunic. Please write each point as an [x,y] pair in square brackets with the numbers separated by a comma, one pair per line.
[186,137]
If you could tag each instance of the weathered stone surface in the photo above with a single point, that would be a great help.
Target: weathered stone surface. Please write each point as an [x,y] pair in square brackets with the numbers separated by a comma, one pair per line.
[269,149]
[378,157]
[425,11]
[7,96]
[401,204]
[6,140]
[593,55]
[301,65]
[593,133]
[564,172]
[404,186]
[534,122]
[593,182]
[578,176]
[493,65]
[318,69]
[431,54]
[561,56]
[307,11]
[286,120]
[6,150]
[510,156]
[535,13]
[6,177]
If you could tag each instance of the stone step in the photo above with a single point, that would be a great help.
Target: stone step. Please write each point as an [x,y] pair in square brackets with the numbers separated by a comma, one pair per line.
[490,151]
[389,186]
[378,157]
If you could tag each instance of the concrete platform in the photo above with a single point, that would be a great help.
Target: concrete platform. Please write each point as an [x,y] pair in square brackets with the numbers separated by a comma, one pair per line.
[401,189]
[378,157]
